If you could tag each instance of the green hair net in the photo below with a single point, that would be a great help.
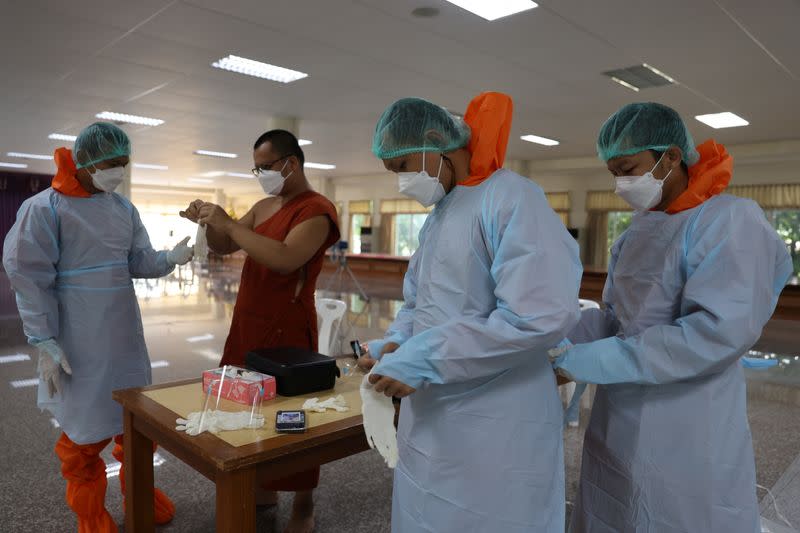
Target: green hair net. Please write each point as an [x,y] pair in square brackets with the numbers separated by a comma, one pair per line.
[98,142]
[645,126]
[414,125]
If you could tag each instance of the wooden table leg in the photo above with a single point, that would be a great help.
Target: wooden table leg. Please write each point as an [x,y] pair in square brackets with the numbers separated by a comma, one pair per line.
[236,501]
[138,479]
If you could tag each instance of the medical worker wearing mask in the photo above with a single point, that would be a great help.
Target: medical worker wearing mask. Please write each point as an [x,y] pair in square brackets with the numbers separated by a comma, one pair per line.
[70,258]
[492,286]
[285,236]
[690,286]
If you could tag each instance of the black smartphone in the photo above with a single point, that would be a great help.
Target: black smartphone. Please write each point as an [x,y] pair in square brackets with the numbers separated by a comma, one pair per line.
[290,421]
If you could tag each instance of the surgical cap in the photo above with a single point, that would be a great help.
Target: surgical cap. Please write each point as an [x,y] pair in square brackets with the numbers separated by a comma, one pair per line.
[645,126]
[99,142]
[414,125]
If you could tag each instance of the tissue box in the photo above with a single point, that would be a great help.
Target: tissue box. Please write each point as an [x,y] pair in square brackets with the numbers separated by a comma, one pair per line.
[240,385]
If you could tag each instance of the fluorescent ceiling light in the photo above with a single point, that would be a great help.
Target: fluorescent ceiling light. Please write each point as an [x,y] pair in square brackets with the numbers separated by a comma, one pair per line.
[151,167]
[722,120]
[319,166]
[250,67]
[216,154]
[13,165]
[20,383]
[303,142]
[240,175]
[30,156]
[213,174]
[62,137]
[199,180]
[201,338]
[539,140]
[494,9]
[129,119]
[654,70]
[625,84]
[14,358]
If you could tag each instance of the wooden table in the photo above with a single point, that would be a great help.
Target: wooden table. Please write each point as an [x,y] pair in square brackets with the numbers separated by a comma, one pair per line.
[234,469]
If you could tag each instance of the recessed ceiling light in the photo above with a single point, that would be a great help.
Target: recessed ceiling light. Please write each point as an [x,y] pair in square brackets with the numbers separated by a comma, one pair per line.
[625,84]
[250,67]
[496,8]
[129,119]
[200,180]
[303,142]
[722,120]
[13,165]
[539,140]
[30,156]
[240,175]
[62,137]
[319,166]
[151,167]
[216,154]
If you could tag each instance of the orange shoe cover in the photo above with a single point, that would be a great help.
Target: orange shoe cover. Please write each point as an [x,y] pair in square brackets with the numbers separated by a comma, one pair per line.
[164,509]
[85,473]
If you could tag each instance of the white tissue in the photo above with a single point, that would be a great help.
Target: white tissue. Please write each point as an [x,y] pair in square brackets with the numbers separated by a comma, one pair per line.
[336,403]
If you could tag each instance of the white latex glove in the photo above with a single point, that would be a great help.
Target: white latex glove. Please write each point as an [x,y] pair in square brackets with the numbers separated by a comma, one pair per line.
[559,350]
[336,403]
[216,421]
[201,243]
[378,413]
[181,254]
[51,362]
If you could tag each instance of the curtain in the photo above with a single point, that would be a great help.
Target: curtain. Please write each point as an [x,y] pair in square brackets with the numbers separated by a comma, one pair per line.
[605,201]
[360,207]
[597,239]
[560,202]
[386,246]
[403,206]
[781,196]
[15,188]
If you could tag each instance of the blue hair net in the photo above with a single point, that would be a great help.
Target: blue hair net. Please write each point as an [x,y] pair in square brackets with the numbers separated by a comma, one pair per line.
[414,125]
[98,142]
[645,126]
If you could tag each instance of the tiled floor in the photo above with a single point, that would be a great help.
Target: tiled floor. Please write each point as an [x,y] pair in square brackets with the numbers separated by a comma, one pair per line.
[186,323]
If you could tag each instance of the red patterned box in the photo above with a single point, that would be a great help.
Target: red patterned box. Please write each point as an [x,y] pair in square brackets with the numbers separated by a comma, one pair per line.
[240,385]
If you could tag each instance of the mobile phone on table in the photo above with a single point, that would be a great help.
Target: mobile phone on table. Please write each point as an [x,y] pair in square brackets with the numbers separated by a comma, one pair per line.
[290,421]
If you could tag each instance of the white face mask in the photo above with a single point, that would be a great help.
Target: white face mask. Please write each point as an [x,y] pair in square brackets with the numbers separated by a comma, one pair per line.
[420,186]
[272,181]
[109,179]
[641,192]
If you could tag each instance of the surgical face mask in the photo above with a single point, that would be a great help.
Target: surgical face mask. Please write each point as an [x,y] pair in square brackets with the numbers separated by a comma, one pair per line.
[420,186]
[642,192]
[272,181]
[108,179]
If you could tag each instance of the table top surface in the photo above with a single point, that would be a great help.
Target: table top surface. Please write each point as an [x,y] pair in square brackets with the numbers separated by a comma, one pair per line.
[159,406]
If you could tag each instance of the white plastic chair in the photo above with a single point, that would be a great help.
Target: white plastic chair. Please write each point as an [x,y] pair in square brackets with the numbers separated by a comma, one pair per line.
[330,312]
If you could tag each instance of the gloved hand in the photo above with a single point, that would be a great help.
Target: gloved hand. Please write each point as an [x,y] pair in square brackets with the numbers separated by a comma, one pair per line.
[51,362]
[559,350]
[181,254]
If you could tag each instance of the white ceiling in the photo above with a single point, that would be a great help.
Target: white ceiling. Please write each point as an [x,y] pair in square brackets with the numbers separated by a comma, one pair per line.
[63,62]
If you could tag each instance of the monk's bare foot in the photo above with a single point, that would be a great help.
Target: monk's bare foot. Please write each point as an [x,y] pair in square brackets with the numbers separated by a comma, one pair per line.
[302,520]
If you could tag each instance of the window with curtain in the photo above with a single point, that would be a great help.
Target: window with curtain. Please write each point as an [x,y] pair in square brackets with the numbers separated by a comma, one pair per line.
[560,202]
[781,205]
[608,217]
[404,218]
[360,216]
